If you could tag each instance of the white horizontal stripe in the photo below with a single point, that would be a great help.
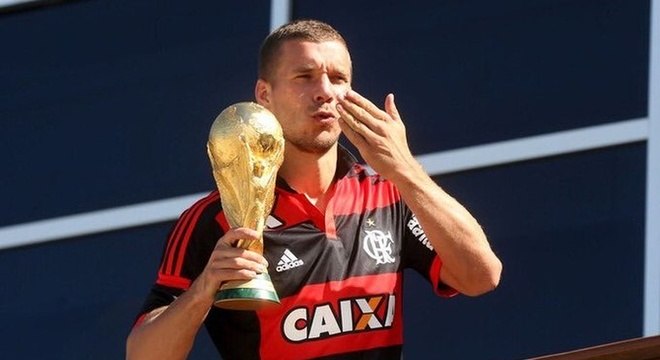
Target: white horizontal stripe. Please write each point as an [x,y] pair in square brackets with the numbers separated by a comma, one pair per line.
[652,242]
[439,163]
[4,3]
[535,147]
[95,221]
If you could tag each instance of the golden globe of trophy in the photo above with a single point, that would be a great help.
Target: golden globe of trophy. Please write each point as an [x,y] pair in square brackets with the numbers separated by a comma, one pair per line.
[246,148]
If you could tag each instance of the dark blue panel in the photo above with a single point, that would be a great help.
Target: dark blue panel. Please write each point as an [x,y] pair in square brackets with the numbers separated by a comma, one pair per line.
[107,103]
[470,72]
[77,299]
[570,232]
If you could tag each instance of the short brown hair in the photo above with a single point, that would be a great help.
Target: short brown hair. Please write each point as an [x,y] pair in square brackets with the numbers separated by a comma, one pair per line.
[307,30]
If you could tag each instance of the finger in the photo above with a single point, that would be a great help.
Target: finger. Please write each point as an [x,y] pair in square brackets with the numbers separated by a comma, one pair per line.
[367,105]
[390,107]
[374,119]
[362,118]
[352,136]
[225,246]
[224,261]
[355,119]
[361,121]
[233,235]
[224,252]
[233,274]
[237,259]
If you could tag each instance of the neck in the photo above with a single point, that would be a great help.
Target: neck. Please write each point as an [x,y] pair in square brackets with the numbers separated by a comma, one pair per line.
[310,174]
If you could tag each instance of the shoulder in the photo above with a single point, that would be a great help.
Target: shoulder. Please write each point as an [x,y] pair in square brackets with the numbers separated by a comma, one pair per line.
[204,212]
[210,202]
[366,177]
[363,190]
[191,241]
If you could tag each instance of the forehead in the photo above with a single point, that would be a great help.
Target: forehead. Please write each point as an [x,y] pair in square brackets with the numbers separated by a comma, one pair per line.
[300,54]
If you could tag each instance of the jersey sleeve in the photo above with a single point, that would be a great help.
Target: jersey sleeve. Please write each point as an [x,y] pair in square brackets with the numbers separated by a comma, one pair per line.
[186,252]
[420,255]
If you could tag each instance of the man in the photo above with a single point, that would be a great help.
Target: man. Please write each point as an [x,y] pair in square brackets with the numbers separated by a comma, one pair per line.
[341,236]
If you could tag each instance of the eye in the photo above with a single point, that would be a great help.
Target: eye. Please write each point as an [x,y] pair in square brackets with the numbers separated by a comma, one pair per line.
[339,79]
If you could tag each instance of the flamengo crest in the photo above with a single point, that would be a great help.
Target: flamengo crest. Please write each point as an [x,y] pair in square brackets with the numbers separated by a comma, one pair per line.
[378,246]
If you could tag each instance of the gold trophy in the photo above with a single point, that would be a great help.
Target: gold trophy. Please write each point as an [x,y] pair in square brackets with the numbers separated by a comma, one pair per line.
[246,148]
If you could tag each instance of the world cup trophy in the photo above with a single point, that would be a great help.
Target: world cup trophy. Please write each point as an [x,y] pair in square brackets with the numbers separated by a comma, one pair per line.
[246,148]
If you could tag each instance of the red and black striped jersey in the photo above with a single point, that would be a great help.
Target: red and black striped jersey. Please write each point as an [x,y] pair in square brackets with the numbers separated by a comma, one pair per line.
[338,274]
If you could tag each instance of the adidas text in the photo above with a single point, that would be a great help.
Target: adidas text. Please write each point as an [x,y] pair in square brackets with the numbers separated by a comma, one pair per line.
[288,266]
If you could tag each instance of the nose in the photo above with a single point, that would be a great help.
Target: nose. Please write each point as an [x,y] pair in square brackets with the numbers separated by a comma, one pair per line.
[324,90]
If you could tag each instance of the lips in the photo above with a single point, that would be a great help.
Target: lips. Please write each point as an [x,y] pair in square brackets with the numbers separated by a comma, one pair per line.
[324,115]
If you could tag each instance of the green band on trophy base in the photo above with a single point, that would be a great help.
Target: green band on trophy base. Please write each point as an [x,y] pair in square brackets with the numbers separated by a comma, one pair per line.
[247,295]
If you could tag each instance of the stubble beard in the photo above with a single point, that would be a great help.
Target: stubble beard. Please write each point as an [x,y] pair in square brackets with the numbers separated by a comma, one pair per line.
[314,145]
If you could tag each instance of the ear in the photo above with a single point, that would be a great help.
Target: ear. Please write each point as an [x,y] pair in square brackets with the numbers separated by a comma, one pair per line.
[262,91]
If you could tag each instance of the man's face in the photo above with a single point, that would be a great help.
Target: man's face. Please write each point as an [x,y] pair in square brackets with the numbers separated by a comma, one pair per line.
[307,78]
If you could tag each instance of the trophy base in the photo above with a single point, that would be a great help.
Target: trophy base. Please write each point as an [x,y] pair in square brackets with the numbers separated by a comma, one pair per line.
[254,294]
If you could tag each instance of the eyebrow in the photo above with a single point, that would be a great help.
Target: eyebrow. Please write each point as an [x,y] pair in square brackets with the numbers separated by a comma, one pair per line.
[305,68]
[309,67]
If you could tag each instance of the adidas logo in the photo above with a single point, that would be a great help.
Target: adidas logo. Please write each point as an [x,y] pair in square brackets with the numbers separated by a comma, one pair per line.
[288,261]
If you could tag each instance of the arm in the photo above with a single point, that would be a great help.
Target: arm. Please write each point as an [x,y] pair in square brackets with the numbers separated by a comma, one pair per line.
[469,264]
[169,332]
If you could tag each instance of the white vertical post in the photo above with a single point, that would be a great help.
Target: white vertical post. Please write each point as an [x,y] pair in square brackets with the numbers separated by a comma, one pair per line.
[652,252]
[280,13]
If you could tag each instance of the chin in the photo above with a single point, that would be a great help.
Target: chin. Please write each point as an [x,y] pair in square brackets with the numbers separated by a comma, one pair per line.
[315,147]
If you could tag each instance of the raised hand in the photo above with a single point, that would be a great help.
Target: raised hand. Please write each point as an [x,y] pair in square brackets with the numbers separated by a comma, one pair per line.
[379,135]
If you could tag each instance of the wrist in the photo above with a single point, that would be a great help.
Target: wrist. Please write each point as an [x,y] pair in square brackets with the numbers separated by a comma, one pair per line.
[202,293]
[408,174]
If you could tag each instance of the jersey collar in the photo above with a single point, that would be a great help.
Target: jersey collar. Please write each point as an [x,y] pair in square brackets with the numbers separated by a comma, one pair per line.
[346,162]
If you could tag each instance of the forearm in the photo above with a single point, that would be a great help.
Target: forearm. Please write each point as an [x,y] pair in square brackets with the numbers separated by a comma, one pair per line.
[170,333]
[469,265]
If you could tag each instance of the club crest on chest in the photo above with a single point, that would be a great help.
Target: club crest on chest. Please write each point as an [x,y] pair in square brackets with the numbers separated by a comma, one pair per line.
[377,244]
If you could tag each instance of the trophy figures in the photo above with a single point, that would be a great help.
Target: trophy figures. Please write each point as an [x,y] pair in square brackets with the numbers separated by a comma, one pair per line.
[246,148]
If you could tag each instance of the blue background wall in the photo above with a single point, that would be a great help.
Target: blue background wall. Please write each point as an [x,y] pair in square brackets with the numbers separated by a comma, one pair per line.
[108,103]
